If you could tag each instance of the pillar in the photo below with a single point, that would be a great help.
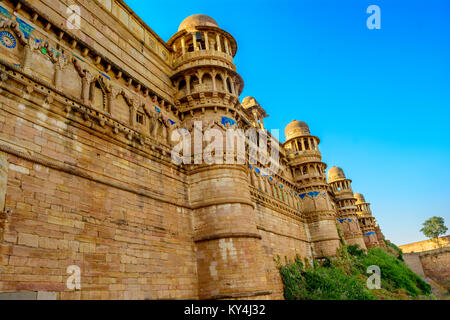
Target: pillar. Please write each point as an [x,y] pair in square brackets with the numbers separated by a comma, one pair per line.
[206,41]
[219,47]
[183,46]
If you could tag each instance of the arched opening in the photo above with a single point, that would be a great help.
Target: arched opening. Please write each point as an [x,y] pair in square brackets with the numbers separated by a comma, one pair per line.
[189,44]
[207,82]
[194,83]
[229,85]
[200,41]
[98,96]
[306,144]
[182,88]
[121,109]
[182,85]
[219,83]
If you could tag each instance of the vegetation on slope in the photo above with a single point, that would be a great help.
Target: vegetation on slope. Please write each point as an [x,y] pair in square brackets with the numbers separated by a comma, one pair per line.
[344,277]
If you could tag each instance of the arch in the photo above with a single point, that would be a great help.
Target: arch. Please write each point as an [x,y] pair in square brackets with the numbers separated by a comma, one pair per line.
[207,82]
[219,82]
[194,83]
[230,90]
[305,141]
[122,108]
[98,95]
[305,170]
[182,85]
[189,44]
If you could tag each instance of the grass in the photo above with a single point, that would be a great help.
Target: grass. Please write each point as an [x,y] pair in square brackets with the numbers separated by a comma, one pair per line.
[344,277]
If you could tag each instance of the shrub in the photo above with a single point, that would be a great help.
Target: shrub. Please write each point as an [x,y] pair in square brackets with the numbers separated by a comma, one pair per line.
[395,274]
[344,277]
[321,283]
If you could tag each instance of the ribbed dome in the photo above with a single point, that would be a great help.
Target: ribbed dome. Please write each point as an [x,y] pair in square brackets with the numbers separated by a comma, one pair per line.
[197,20]
[359,198]
[335,173]
[296,129]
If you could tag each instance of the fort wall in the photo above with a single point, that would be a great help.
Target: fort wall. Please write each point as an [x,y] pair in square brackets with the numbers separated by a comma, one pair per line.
[87,177]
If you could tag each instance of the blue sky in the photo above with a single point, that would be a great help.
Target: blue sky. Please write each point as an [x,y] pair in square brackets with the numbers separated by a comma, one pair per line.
[378,99]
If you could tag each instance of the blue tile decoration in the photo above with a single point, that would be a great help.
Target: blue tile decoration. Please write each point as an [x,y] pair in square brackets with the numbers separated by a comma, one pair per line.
[106,76]
[157,109]
[78,57]
[5,12]
[313,194]
[8,40]
[263,173]
[281,186]
[342,220]
[226,120]
[25,27]
[172,122]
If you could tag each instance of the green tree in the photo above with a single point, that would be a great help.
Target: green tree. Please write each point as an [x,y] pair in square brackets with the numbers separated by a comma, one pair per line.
[434,227]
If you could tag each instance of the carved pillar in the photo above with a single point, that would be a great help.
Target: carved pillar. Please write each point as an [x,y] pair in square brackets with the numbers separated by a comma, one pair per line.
[155,125]
[111,95]
[183,46]
[206,41]
[133,109]
[214,73]
[188,84]
[194,41]
[219,47]
[86,87]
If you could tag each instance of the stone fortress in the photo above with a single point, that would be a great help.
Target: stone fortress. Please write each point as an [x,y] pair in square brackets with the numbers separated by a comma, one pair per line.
[87,179]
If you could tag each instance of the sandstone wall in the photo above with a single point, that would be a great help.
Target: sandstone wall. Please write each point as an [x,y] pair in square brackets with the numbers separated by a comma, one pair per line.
[76,198]
[283,235]
[117,34]
[436,265]
[425,245]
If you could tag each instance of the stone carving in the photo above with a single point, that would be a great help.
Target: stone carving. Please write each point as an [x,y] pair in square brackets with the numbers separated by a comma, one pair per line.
[60,63]
[14,27]
[86,79]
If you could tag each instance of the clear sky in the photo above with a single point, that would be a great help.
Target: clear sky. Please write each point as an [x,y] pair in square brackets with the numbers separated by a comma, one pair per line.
[379,100]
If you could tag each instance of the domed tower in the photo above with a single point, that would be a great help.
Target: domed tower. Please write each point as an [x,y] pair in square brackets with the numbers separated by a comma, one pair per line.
[346,206]
[367,222]
[230,261]
[206,82]
[308,169]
